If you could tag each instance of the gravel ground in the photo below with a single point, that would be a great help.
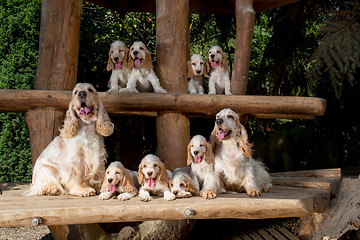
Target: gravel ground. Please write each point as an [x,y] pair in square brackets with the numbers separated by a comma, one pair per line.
[25,233]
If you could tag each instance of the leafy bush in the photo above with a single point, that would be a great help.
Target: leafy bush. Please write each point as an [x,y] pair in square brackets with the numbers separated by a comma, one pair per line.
[19,34]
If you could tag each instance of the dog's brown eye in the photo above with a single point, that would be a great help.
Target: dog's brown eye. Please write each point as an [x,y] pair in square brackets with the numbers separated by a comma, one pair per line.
[194,64]
[230,117]
[117,172]
[107,172]
[202,63]
[144,166]
[90,90]
[155,165]
[182,185]
[217,51]
[76,92]
[171,185]
[141,48]
[201,145]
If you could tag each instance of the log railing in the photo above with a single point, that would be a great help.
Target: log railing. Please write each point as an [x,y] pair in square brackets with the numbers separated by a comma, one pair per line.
[151,104]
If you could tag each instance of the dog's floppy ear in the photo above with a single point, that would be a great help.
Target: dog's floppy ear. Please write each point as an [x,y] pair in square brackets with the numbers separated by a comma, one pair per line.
[104,126]
[214,141]
[190,70]
[71,123]
[190,187]
[189,155]
[208,66]
[148,63]
[127,182]
[243,141]
[110,64]
[224,63]
[163,175]
[105,185]
[140,175]
[209,155]
[126,57]
[129,61]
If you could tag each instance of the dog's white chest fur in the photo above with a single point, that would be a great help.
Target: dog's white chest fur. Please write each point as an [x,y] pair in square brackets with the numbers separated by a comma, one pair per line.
[199,170]
[143,77]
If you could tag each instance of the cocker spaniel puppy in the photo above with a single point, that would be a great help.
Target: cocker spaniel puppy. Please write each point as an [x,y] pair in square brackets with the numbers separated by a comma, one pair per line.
[196,69]
[201,159]
[118,179]
[117,63]
[154,179]
[233,156]
[181,184]
[217,68]
[142,77]
[74,162]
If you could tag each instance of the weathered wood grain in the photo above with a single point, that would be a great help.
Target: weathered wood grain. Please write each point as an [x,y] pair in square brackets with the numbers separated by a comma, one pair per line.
[22,100]
[17,210]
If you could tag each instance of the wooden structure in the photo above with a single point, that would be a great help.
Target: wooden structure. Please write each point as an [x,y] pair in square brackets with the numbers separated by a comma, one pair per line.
[56,76]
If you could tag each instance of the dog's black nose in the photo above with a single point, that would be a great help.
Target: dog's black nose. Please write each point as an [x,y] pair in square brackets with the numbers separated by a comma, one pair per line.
[196,152]
[82,94]
[149,173]
[175,192]
[116,58]
[110,180]
[212,55]
[219,121]
[198,71]
[135,52]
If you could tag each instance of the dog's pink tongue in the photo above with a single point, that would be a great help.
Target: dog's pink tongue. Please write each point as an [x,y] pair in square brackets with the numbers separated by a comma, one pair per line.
[197,159]
[85,111]
[213,64]
[118,65]
[137,62]
[151,182]
[221,134]
[112,188]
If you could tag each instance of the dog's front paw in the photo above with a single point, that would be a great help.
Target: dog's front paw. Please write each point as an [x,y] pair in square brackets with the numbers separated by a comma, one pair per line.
[83,192]
[105,195]
[128,90]
[208,194]
[145,197]
[160,90]
[253,192]
[187,194]
[169,196]
[124,196]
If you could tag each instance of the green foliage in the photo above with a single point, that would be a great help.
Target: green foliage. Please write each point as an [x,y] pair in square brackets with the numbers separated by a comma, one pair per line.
[339,49]
[19,34]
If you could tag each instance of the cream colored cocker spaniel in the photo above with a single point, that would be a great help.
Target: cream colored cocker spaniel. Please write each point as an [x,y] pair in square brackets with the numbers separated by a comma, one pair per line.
[196,70]
[117,63]
[74,162]
[217,68]
[118,179]
[154,179]
[233,156]
[142,77]
[181,184]
[201,159]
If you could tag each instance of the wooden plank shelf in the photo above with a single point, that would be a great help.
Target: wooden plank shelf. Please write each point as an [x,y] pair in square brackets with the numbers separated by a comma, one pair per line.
[281,202]
[151,103]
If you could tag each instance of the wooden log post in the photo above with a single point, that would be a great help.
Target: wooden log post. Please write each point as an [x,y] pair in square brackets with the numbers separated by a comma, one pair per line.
[245,16]
[172,47]
[57,66]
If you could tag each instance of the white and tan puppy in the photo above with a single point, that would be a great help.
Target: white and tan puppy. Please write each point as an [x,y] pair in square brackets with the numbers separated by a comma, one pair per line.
[154,179]
[142,77]
[120,180]
[181,184]
[217,68]
[196,70]
[117,64]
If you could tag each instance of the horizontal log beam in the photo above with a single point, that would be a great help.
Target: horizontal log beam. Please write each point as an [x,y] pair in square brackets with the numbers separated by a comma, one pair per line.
[150,103]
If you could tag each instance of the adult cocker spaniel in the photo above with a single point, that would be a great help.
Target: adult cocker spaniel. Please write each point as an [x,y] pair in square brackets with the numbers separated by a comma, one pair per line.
[74,162]
[118,179]
[201,159]
[217,68]
[233,156]
[142,77]
[117,64]
[154,179]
